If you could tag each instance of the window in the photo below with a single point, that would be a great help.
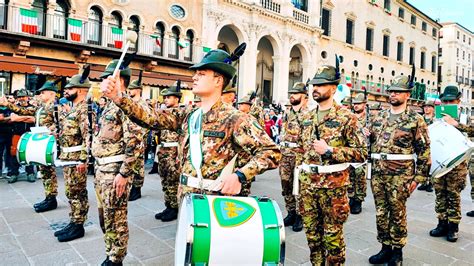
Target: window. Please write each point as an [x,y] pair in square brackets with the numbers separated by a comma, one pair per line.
[300,4]
[401,13]
[94,26]
[457,52]
[458,35]
[349,31]
[173,50]
[5,82]
[464,38]
[188,52]
[469,40]
[326,22]
[40,7]
[3,13]
[386,4]
[159,38]
[440,51]
[434,32]
[412,55]
[369,40]
[59,19]
[422,60]
[177,11]
[413,20]
[424,26]
[324,54]
[463,55]
[400,51]
[386,45]
[134,24]
[115,20]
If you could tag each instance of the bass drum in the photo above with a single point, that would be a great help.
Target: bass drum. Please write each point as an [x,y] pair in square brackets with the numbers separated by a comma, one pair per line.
[219,230]
[36,149]
[449,148]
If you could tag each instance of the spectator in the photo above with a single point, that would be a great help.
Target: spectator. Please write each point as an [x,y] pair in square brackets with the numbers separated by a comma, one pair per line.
[5,138]
[269,123]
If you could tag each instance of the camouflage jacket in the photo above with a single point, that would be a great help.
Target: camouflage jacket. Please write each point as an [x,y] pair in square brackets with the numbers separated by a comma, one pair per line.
[225,133]
[257,112]
[468,129]
[74,131]
[141,146]
[406,135]
[291,130]
[341,130]
[428,120]
[46,115]
[116,135]
[166,135]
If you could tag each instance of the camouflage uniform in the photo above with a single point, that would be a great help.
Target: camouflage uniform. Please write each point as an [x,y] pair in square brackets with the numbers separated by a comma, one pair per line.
[257,111]
[324,202]
[358,185]
[139,167]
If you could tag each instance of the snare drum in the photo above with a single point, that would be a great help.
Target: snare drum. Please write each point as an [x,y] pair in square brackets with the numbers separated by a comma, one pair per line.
[449,148]
[219,230]
[36,149]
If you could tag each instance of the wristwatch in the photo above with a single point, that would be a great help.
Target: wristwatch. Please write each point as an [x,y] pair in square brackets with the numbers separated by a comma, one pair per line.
[242,177]
[328,152]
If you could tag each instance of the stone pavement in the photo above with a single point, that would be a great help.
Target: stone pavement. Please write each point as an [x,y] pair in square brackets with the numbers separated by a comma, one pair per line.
[26,238]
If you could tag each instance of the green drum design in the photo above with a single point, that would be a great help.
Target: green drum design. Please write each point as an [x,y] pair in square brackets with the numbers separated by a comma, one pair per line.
[220,230]
[36,149]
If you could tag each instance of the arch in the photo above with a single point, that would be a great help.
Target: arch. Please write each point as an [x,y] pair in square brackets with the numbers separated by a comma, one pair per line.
[97,7]
[134,22]
[304,50]
[140,19]
[275,41]
[164,23]
[116,18]
[237,28]
[179,27]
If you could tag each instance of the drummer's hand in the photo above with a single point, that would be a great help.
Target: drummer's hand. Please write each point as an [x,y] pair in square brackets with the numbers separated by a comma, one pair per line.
[120,184]
[448,119]
[320,146]
[231,185]
[13,117]
[3,101]
[110,87]
[413,186]
[366,132]
[81,168]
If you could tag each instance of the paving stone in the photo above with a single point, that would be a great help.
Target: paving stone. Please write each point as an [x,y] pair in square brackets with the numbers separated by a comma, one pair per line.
[165,232]
[40,242]
[92,250]
[13,258]
[163,260]
[8,244]
[59,258]
[146,246]
[20,214]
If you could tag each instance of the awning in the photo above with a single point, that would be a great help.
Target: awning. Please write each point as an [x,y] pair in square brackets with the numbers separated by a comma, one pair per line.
[37,66]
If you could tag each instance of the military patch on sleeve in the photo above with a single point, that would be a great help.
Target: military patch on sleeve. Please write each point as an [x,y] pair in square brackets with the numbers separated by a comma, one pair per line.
[332,124]
[257,125]
[214,134]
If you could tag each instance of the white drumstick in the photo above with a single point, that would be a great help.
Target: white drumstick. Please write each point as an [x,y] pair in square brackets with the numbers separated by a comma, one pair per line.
[131,38]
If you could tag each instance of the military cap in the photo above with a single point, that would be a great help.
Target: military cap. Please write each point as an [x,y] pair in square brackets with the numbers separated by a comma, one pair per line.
[230,88]
[219,61]
[197,99]
[174,90]
[77,81]
[134,85]
[299,87]
[450,93]
[22,93]
[429,103]
[346,100]
[48,86]
[359,98]
[376,106]
[326,75]
[109,70]
[400,83]
[245,100]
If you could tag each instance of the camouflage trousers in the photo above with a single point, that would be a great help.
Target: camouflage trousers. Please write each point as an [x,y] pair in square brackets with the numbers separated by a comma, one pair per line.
[139,175]
[324,212]
[358,186]
[448,193]
[390,197]
[113,209]
[169,171]
[287,166]
[50,180]
[76,192]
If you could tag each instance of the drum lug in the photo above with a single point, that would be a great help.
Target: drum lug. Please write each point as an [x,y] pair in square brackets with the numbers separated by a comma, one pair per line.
[272,226]
[200,225]
[264,199]
[383,156]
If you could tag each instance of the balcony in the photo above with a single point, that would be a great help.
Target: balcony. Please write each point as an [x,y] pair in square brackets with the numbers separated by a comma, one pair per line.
[270,5]
[71,31]
[300,15]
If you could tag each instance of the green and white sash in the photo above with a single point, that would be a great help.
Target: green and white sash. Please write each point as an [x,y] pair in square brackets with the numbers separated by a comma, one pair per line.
[195,144]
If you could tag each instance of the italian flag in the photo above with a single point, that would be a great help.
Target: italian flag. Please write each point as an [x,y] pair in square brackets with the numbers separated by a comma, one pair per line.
[378,87]
[183,44]
[348,82]
[117,36]
[157,39]
[75,29]
[29,21]
[363,85]
[206,49]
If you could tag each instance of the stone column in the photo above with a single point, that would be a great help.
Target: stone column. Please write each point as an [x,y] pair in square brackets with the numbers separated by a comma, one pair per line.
[280,76]
[248,66]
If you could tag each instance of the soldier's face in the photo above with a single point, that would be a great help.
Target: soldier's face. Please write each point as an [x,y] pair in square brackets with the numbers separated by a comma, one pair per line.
[207,82]
[47,96]
[398,98]
[171,101]
[228,97]
[244,107]
[22,99]
[457,101]
[134,92]
[428,110]
[295,98]
[324,92]
[70,94]
[359,108]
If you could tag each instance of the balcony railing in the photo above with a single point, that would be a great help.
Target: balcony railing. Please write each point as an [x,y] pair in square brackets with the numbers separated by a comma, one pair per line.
[472,83]
[300,15]
[270,5]
[52,26]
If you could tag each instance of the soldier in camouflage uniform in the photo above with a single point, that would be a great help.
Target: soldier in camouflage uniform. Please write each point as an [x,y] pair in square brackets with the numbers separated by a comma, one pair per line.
[428,115]
[45,113]
[448,187]
[471,177]
[398,136]
[115,147]
[358,187]
[169,165]
[292,147]
[332,138]
[74,139]
[229,92]
[222,131]
[135,92]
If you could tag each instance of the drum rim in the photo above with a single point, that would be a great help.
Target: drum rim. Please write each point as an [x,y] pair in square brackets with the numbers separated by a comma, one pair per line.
[282,231]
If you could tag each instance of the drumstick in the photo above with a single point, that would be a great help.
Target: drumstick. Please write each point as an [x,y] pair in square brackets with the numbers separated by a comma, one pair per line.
[131,38]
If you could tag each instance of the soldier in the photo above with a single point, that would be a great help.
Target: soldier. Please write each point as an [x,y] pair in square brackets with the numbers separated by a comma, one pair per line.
[116,150]
[244,104]
[346,102]
[292,147]
[212,135]
[256,110]
[74,138]
[332,138]
[135,92]
[169,165]
[448,188]
[229,93]
[471,177]
[47,115]
[399,137]
[358,186]
[428,115]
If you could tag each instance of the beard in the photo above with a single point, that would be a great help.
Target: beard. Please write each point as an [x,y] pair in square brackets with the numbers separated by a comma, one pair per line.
[71,97]
[294,101]
[358,111]
[320,97]
[395,102]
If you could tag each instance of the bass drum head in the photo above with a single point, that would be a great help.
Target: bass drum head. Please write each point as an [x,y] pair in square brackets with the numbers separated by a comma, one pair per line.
[182,245]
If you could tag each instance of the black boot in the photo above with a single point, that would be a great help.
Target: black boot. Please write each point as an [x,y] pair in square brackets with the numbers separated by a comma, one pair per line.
[429,187]
[135,193]
[356,207]
[290,218]
[422,187]
[48,204]
[171,215]
[64,230]
[104,263]
[111,263]
[154,169]
[160,214]
[470,213]
[383,256]
[453,234]
[441,229]
[298,224]
[76,231]
[397,257]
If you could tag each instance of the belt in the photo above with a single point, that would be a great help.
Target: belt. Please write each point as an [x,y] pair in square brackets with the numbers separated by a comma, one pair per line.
[289,144]
[325,169]
[194,182]
[110,159]
[168,144]
[393,157]
[72,149]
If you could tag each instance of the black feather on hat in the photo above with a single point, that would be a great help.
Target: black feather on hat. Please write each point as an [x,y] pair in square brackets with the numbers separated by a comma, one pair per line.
[238,52]
[85,74]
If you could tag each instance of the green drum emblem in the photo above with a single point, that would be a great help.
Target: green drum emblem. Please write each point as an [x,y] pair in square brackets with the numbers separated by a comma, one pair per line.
[38,137]
[231,212]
